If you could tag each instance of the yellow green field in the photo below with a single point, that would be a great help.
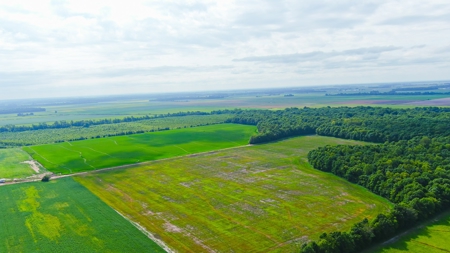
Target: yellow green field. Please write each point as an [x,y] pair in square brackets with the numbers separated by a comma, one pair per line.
[263,198]
[63,216]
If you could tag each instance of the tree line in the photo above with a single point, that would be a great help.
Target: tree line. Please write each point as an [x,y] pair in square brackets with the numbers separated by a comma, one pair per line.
[88,123]
[373,124]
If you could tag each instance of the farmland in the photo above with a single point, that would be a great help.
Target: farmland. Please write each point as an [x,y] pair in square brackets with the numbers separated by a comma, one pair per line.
[70,157]
[120,107]
[12,164]
[63,216]
[263,198]
[432,238]
[45,136]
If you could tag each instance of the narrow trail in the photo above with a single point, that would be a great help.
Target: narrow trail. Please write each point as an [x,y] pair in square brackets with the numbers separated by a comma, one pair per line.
[100,152]
[181,149]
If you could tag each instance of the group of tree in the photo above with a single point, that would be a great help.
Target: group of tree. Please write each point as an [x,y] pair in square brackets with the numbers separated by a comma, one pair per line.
[374,124]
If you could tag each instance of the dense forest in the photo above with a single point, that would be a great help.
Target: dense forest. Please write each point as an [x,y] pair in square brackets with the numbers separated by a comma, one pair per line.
[374,124]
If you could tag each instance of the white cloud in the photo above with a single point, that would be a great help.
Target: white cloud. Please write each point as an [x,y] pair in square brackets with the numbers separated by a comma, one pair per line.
[59,47]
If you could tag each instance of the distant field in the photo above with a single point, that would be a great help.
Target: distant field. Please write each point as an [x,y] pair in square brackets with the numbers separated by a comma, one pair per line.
[11,164]
[70,157]
[263,198]
[132,107]
[433,238]
[46,136]
[63,216]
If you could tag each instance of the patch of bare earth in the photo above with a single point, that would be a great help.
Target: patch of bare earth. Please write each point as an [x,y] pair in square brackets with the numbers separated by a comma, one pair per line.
[33,165]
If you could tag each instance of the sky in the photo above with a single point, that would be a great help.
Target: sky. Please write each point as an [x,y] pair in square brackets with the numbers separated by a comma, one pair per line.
[95,47]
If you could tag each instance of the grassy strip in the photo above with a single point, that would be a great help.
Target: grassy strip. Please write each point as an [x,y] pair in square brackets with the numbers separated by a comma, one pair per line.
[430,237]
[264,198]
[63,216]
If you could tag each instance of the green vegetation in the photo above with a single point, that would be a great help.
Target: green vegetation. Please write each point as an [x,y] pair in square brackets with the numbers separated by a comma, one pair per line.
[70,157]
[263,198]
[63,216]
[430,239]
[413,174]
[46,136]
[358,123]
[12,164]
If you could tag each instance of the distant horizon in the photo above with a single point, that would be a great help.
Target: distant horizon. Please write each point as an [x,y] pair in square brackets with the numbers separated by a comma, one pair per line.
[223,90]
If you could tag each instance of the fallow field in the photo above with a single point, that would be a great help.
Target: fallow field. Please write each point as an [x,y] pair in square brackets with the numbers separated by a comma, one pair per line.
[71,157]
[263,198]
[63,216]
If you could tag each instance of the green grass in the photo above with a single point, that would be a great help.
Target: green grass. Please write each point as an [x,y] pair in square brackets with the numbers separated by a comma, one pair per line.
[70,157]
[11,164]
[433,238]
[63,216]
[263,198]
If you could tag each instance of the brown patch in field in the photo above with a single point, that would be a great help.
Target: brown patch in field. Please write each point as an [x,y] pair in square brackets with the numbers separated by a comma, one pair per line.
[33,165]
[169,227]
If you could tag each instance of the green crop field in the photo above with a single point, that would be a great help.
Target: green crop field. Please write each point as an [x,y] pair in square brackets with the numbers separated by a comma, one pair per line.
[70,157]
[12,164]
[433,238]
[63,216]
[262,198]
[46,136]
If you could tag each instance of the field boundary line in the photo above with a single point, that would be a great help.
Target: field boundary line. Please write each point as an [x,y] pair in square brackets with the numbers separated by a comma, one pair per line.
[99,152]
[147,162]
[159,242]
[41,156]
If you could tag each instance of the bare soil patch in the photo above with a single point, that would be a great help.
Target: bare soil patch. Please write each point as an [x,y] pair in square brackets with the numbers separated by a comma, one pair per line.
[33,165]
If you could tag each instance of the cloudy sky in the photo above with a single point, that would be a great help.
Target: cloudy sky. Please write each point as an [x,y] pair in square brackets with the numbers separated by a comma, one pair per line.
[92,47]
